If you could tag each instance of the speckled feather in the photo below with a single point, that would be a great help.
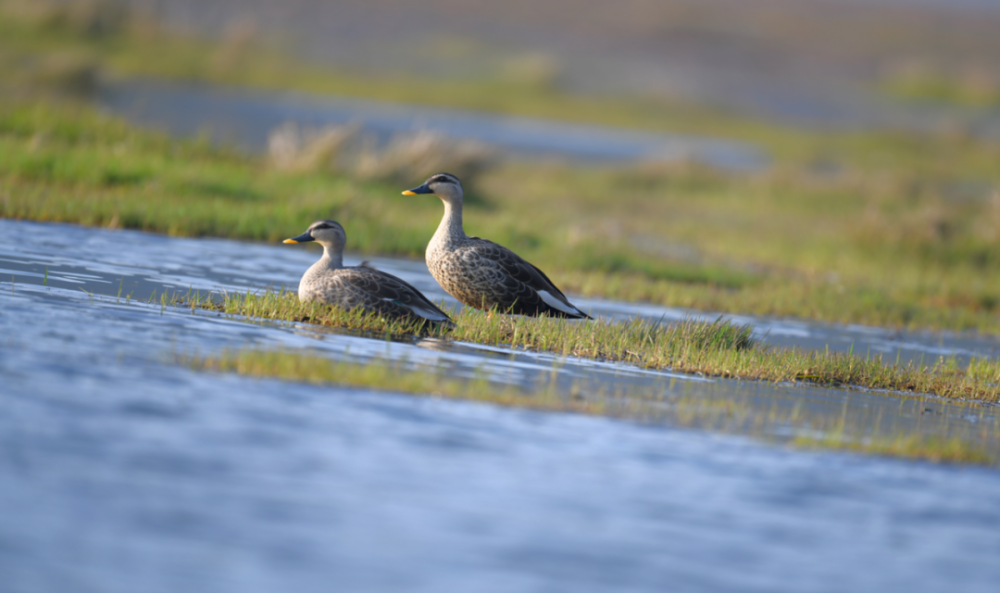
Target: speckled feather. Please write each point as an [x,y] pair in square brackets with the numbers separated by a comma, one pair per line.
[484,275]
[375,291]
[368,288]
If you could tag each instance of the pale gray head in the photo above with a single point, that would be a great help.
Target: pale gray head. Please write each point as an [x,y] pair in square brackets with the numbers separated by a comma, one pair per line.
[327,233]
[444,185]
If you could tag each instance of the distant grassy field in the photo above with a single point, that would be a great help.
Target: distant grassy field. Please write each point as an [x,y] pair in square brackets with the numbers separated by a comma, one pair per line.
[883,228]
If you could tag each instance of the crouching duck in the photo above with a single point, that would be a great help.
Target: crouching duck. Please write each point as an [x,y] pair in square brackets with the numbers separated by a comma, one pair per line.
[481,273]
[329,281]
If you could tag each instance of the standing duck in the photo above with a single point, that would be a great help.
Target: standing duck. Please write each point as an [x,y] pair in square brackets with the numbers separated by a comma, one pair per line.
[329,281]
[481,273]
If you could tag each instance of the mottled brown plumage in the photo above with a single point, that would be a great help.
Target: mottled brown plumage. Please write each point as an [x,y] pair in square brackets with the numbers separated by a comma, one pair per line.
[329,281]
[481,273]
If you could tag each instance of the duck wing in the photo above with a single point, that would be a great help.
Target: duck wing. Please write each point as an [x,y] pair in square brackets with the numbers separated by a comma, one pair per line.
[519,274]
[387,287]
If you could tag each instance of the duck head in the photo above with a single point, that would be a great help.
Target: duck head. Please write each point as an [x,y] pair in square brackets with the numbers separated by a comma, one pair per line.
[443,185]
[327,233]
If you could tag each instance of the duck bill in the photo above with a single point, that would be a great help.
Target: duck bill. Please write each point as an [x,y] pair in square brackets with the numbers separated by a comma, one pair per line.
[423,189]
[303,238]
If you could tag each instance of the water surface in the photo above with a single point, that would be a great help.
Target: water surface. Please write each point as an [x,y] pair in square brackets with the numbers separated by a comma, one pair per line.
[121,470]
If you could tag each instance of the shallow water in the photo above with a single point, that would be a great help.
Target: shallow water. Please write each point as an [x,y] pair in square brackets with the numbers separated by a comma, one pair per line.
[124,471]
[246,117]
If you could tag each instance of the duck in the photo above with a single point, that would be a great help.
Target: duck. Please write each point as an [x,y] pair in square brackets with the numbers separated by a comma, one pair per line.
[330,281]
[481,273]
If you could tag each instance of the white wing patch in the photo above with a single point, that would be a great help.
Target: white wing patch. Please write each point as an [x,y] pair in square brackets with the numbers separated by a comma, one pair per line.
[555,303]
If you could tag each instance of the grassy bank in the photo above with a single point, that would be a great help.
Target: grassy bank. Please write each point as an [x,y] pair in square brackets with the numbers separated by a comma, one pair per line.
[718,349]
[881,228]
[646,404]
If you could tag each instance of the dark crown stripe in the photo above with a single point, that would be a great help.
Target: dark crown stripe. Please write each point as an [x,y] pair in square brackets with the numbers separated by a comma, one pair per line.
[443,178]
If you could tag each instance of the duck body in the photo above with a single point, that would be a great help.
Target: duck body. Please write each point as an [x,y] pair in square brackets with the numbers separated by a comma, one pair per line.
[484,275]
[351,287]
[370,289]
[481,273]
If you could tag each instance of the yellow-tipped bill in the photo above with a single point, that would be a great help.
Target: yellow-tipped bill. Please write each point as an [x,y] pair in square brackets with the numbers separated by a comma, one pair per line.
[423,189]
[303,238]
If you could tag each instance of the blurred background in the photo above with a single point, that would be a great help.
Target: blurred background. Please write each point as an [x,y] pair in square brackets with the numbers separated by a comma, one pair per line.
[805,61]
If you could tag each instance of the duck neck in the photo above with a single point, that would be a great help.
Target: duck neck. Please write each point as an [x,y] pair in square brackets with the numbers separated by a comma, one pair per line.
[332,258]
[450,228]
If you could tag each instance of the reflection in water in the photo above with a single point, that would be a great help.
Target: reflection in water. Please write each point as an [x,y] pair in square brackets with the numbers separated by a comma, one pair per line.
[163,478]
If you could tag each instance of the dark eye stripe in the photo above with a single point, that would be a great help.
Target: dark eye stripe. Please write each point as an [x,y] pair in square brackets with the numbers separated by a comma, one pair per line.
[442,180]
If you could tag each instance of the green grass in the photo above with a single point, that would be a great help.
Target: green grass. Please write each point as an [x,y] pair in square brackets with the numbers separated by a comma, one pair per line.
[646,404]
[927,448]
[719,349]
[876,227]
